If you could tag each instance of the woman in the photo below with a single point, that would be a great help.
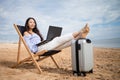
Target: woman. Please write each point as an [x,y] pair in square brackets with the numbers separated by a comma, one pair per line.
[32,37]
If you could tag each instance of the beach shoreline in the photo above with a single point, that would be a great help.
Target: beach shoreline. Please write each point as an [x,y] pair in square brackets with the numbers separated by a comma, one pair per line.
[106,65]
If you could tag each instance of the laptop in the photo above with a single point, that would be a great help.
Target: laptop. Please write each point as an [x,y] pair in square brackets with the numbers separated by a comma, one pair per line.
[53,31]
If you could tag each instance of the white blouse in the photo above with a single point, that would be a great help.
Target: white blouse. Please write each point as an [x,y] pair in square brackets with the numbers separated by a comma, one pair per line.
[32,40]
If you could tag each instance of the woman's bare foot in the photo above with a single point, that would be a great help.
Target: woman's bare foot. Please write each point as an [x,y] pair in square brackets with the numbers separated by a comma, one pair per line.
[85,29]
[83,32]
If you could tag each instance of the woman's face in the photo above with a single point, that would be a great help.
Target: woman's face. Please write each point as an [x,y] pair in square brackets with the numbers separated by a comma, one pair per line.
[31,24]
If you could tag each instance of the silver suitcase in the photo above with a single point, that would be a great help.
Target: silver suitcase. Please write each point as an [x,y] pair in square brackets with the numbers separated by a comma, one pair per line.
[82,57]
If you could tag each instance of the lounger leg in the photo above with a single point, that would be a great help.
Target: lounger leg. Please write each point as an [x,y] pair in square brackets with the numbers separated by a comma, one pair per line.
[19,47]
[18,55]
[54,61]
[38,67]
[36,64]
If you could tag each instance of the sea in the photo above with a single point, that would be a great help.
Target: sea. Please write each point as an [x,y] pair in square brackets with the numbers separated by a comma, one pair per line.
[107,43]
[104,43]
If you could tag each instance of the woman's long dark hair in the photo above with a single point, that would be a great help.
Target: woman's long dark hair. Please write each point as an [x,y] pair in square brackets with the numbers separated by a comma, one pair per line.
[35,29]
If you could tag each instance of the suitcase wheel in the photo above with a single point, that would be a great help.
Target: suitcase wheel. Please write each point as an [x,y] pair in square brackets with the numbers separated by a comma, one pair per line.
[79,74]
[76,74]
[83,74]
[91,71]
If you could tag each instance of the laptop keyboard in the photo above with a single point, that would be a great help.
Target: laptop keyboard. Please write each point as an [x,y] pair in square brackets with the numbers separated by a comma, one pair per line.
[43,42]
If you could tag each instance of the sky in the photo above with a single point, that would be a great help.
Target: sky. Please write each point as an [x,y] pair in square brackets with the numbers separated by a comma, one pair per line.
[103,16]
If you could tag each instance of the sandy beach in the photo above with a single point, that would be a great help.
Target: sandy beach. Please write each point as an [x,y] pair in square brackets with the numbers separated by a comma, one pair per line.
[106,65]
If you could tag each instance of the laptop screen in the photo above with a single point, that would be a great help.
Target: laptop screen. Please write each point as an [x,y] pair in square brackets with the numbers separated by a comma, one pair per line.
[53,32]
